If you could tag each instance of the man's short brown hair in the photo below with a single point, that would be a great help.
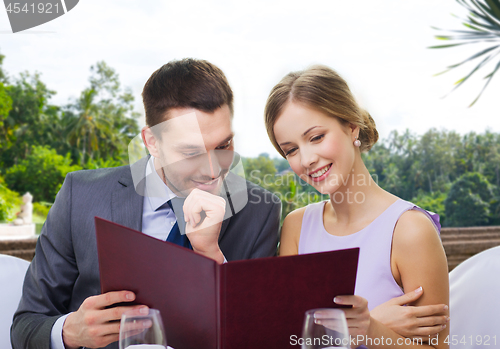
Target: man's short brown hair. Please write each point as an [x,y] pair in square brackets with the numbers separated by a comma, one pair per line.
[186,83]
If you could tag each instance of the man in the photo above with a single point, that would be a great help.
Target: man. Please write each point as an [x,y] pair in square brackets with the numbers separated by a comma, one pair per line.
[61,306]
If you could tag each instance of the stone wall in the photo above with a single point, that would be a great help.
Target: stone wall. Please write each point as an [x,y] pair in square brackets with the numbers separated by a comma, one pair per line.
[462,243]
[23,248]
[459,244]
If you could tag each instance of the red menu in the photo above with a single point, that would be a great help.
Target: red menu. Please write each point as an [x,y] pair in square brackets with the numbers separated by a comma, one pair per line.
[256,303]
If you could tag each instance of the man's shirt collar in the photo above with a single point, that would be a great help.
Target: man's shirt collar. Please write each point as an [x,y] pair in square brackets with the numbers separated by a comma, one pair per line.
[157,192]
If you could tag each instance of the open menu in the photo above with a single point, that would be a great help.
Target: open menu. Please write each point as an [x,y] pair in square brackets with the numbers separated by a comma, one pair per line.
[257,303]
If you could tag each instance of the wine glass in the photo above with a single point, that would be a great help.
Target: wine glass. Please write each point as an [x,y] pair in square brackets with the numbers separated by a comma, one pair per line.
[142,331]
[325,328]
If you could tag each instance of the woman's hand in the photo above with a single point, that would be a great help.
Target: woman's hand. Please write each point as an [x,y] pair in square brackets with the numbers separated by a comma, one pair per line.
[358,317]
[424,321]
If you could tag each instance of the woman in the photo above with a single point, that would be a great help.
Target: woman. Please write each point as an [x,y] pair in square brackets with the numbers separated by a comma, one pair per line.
[314,122]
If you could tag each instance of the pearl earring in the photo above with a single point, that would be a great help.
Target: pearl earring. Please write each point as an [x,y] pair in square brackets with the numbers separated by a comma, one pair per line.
[357,142]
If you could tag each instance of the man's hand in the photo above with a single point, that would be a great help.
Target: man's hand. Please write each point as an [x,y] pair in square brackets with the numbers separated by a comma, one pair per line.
[412,321]
[203,213]
[94,326]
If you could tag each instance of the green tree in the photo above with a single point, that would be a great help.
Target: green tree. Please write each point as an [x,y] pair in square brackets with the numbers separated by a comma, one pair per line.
[281,164]
[468,202]
[260,171]
[3,75]
[482,26]
[392,182]
[98,124]
[490,157]
[101,121]
[423,168]
[9,200]
[5,107]
[24,125]
[433,203]
[495,207]
[41,173]
[5,100]
[88,128]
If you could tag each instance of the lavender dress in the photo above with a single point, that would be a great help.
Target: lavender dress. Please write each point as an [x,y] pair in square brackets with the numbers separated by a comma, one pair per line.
[374,280]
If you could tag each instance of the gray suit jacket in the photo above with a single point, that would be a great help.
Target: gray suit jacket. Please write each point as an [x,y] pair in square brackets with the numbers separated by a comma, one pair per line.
[65,269]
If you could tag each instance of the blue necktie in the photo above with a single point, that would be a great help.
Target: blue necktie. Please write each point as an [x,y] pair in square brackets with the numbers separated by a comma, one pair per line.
[175,235]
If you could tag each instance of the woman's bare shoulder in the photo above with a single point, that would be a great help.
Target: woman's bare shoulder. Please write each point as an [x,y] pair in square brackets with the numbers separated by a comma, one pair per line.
[290,232]
[296,216]
[415,226]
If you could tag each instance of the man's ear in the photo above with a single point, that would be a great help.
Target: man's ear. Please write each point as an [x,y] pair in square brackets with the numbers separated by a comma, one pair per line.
[150,141]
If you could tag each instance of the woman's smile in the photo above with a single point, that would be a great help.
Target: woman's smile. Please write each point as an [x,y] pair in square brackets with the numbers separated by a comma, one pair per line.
[320,174]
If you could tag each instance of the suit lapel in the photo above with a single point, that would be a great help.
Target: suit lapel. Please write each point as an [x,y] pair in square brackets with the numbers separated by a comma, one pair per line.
[126,203]
[236,196]
[223,228]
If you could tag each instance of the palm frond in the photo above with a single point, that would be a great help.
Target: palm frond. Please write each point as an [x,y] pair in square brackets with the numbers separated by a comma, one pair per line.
[449,45]
[489,77]
[465,78]
[483,23]
[495,7]
[477,55]
[487,13]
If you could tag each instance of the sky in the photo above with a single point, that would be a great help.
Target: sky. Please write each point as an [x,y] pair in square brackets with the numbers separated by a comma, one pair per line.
[379,47]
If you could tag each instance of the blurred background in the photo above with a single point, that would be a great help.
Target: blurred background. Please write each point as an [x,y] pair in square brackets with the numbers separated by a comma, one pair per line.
[70,91]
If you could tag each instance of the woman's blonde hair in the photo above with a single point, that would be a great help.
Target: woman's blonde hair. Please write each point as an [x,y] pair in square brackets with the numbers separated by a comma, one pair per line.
[321,88]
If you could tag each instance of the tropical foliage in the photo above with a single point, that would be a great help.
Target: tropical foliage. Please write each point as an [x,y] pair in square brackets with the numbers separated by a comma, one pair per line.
[457,176]
[441,171]
[41,142]
[96,126]
[426,169]
[9,200]
[41,173]
[482,27]
[101,122]
[469,200]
